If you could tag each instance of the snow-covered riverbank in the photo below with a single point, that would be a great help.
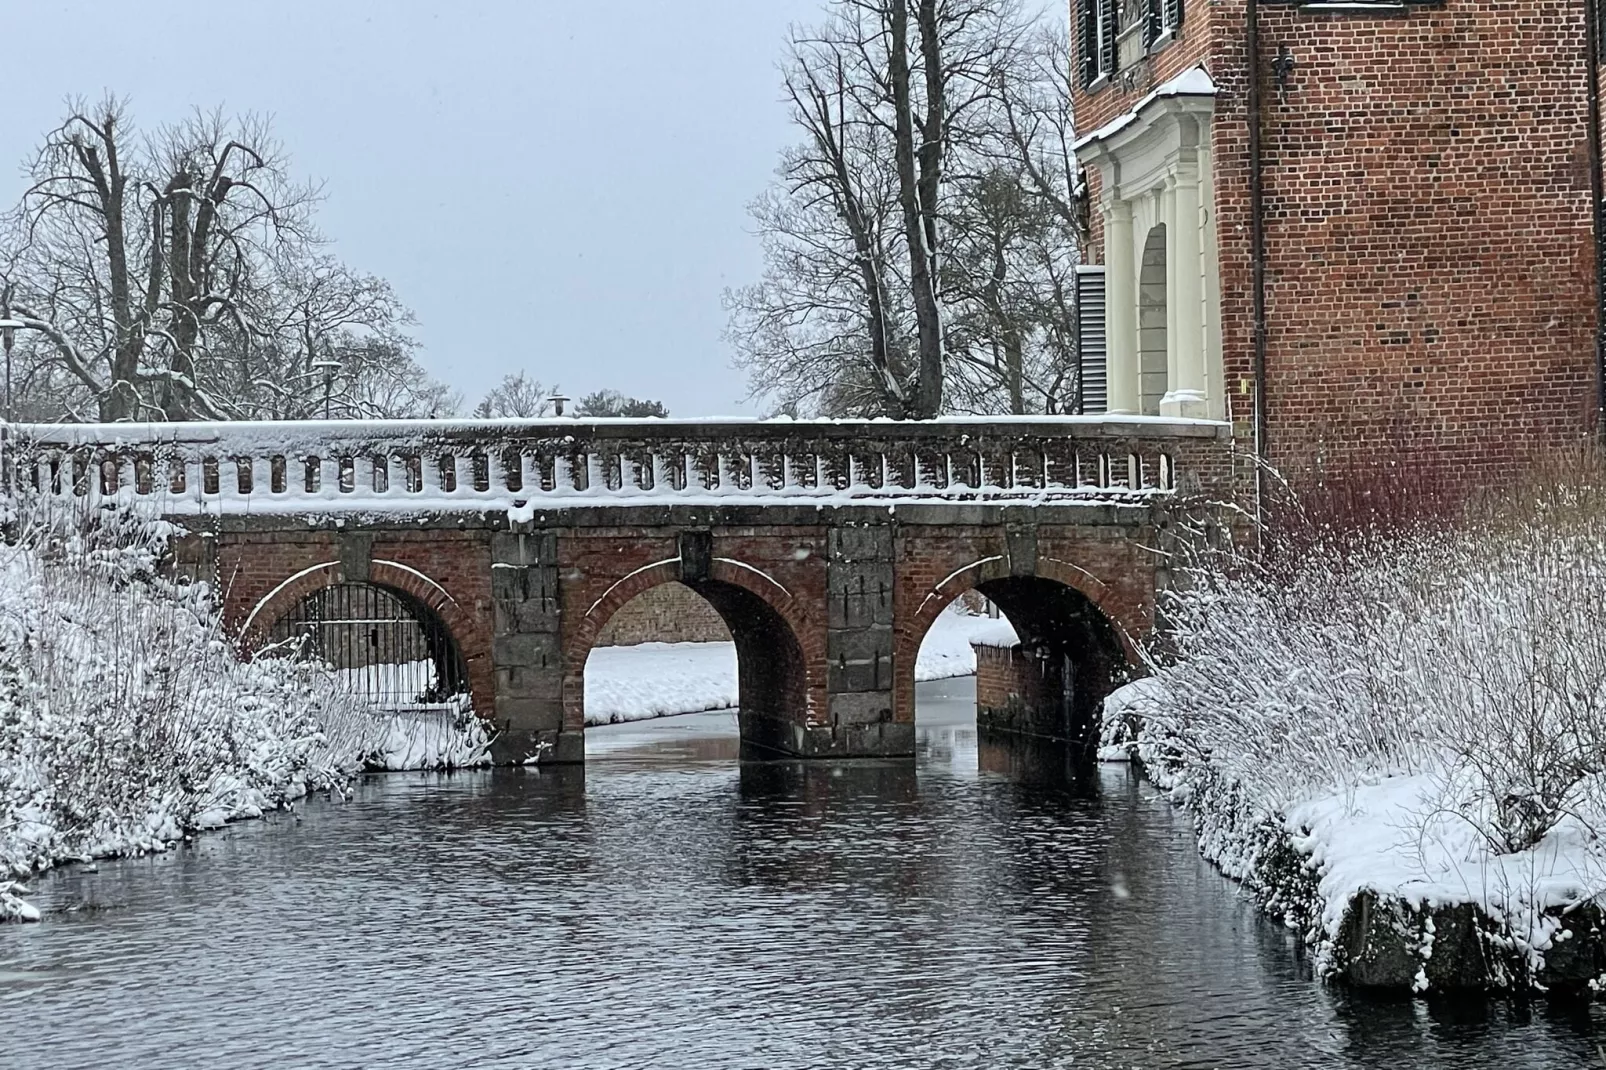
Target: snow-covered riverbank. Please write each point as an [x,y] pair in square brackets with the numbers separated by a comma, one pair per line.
[128,722]
[636,683]
[1399,746]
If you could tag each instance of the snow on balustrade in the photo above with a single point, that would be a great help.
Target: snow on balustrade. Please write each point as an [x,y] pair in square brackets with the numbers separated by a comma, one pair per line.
[420,467]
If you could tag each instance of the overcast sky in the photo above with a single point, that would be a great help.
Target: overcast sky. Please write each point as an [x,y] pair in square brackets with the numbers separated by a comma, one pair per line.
[558,186]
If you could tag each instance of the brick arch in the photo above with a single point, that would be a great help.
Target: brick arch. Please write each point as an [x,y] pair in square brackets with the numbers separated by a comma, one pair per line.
[912,633]
[725,571]
[472,642]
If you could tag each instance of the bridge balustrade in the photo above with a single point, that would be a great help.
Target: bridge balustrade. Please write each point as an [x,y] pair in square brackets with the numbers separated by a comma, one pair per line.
[443,466]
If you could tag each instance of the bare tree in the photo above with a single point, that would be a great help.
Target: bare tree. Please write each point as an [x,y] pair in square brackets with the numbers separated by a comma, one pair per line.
[516,396]
[898,102]
[829,309]
[179,275]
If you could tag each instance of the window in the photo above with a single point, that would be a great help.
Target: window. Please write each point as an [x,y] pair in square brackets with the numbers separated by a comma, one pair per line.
[1163,21]
[1099,24]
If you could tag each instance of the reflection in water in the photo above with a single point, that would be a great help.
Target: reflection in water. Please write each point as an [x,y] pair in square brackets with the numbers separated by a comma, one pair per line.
[670,906]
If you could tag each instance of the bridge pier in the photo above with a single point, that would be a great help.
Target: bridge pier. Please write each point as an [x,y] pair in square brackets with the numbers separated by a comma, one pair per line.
[527,651]
[860,576]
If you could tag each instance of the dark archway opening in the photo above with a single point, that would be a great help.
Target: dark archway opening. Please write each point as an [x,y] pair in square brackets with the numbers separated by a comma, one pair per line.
[1053,685]
[770,678]
[386,645]
[771,687]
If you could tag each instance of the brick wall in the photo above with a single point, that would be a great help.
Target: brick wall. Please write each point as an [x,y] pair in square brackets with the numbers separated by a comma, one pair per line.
[448,571]
[999,675]
[669,613]
[1429,248]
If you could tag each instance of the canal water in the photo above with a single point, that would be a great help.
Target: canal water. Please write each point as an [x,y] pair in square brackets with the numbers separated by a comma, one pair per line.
[671,906]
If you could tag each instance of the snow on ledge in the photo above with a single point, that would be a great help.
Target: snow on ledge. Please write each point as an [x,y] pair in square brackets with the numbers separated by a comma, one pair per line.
[1193,82]
[997,633]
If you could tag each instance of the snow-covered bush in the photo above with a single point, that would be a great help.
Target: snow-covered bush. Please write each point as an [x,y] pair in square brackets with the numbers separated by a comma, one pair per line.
[1477,649]
[128,720]
[1449,666]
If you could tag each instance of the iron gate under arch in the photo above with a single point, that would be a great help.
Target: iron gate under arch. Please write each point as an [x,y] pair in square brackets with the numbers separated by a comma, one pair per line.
[386,646]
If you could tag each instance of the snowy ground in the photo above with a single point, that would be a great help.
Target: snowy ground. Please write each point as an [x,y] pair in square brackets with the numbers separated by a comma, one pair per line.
[635,683]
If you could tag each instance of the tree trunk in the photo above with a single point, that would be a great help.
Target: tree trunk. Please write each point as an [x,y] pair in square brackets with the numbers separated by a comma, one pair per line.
[919,224]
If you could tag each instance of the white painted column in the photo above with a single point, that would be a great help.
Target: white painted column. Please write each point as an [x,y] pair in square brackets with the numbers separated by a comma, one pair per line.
[1187,341]
[1120,307]
[1166,209]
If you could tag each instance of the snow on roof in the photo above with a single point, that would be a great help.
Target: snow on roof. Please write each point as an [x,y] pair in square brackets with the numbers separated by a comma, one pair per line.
[1193,82]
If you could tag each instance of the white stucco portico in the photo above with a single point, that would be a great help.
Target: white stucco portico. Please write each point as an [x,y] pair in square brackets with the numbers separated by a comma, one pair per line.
[1162,281]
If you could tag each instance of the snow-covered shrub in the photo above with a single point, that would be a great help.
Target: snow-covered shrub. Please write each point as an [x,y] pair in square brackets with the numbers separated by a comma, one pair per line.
[126,718]
[1477,649]
[1447,667]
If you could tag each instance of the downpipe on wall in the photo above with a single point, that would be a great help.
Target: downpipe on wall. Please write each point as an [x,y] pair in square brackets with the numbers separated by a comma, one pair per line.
[1257,242]
[1597,193]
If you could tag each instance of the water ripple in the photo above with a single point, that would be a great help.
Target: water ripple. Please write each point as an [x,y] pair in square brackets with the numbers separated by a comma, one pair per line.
[673,907]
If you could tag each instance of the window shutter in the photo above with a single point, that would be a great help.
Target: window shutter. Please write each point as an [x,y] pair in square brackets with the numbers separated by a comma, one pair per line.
[1090,338]
[1154,21]
[1112,26]
[1088,31]
[1175,10]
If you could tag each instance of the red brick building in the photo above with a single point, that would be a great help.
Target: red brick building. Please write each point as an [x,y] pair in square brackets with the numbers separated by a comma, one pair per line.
[1424,170]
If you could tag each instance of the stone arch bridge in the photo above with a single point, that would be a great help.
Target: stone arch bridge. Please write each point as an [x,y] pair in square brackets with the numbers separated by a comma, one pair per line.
[828,547]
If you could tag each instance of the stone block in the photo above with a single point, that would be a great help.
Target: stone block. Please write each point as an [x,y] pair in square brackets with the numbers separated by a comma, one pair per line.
[861,708]
[859,644]
[527,650]
[874,674]
[538,549]
[529,714]
[513,617]
[529,682]
[856,544]
[859,598]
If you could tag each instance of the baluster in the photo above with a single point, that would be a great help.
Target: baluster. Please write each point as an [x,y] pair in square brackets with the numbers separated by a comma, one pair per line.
[705,470]
[429,475]
[836,467]
[366,472]
[507,474]
[398,481]
[1059,464]
[1029,467]
[533,472]
[901,468]
[770,469]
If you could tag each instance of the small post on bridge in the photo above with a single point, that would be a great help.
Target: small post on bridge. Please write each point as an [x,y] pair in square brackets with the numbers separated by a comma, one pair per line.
[8,338]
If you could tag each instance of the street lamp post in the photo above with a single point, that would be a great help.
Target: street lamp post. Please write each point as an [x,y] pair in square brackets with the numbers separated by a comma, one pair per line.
[8,338]
[329,367]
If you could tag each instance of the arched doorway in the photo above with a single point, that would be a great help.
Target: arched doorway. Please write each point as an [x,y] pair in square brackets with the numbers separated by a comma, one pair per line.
[385,645]
[1153,375]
